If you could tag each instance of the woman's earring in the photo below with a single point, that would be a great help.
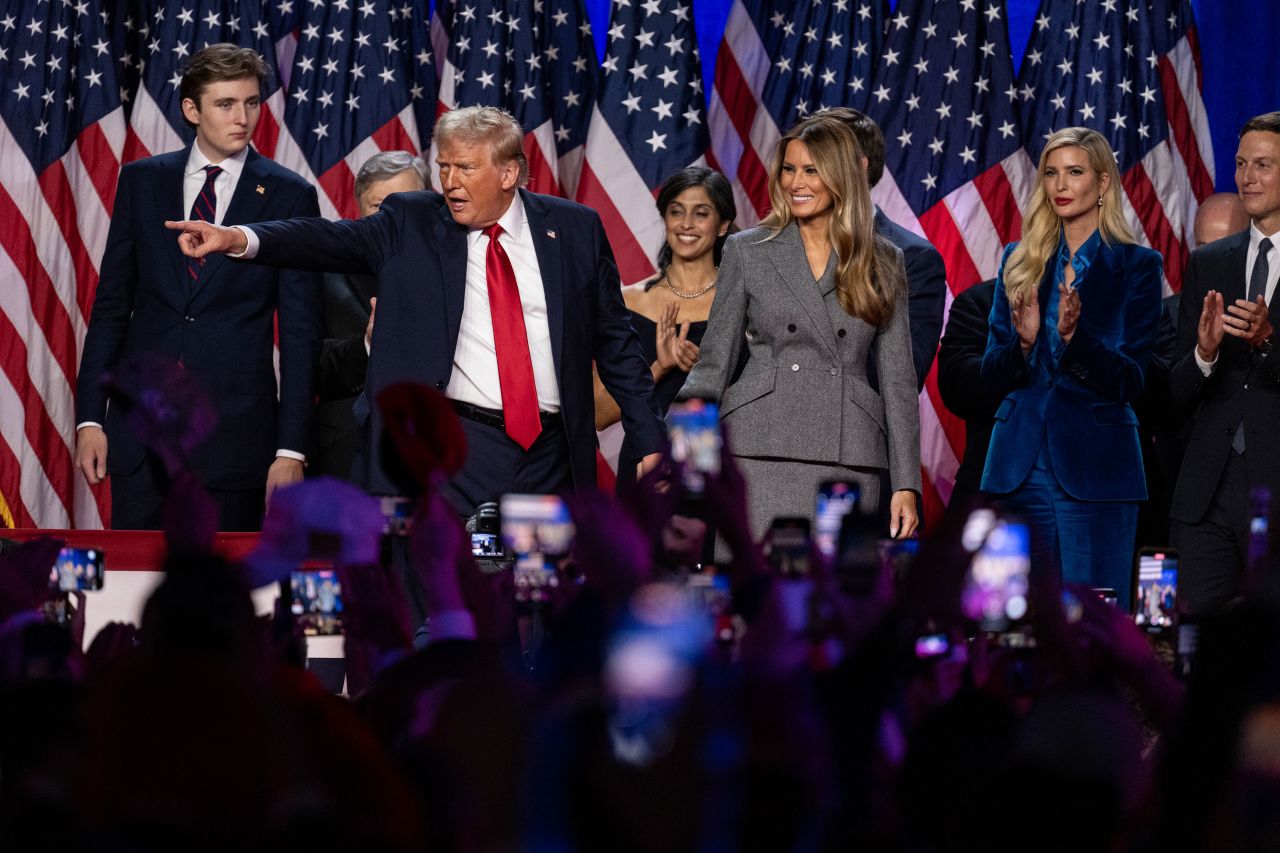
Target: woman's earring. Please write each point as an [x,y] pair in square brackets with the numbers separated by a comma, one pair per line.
[1099,201]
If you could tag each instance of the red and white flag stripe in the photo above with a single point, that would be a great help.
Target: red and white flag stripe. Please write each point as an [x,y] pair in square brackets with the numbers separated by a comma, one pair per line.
[54,236]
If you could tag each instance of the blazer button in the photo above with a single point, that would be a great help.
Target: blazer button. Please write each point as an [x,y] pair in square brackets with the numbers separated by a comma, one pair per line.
[189,319]
[795,368]
[840,333]
[440,385]
[791,327]
[835,371]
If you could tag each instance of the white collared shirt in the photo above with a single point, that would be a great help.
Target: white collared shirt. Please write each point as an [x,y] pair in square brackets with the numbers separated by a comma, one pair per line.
[224,184]
[475,361]
[1273,276]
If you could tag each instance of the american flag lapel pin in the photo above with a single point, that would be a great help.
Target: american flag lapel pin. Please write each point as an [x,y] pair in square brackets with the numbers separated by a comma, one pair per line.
[551,234]
[261,190]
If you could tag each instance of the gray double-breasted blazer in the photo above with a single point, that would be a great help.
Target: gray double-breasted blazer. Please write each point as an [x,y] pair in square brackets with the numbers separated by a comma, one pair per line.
[803,391]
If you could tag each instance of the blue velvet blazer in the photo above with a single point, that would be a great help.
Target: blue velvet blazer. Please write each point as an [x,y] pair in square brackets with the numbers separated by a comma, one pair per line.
[1078,407]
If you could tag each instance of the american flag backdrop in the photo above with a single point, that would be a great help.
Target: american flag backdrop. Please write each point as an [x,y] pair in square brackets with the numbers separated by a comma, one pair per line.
[89,84]
[533,58]
[352,92]
[1126,70]
[955,172]
[62,137]
[648,122]
[780,61]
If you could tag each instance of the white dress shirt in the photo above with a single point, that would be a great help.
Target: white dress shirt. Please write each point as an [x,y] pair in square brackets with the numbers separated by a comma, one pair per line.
[475,360]
[1273,276]
[224,185]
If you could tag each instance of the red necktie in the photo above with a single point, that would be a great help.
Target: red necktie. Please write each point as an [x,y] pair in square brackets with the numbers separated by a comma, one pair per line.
[511,345]
[204,209]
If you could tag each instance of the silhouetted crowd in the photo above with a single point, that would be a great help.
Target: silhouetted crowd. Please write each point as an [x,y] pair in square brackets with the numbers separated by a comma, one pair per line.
[637,703]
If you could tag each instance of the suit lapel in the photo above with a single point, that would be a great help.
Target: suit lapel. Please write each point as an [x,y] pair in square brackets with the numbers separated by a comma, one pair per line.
[169,201]
[245,206]
[786,252]
[452,240]
[547,245]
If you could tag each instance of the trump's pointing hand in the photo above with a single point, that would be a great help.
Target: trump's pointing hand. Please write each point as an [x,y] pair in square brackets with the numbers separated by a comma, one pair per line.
[204,238]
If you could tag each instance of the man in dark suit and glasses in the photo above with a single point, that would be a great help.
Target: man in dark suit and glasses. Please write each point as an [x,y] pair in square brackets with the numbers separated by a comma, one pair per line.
[499,297]
[1227,366]
[211,316]
[349,309]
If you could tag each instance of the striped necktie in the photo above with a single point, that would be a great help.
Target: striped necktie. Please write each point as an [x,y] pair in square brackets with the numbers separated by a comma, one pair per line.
[205,209]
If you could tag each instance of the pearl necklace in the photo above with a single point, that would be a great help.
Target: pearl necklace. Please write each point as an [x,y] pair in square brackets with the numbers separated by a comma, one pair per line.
[666,278]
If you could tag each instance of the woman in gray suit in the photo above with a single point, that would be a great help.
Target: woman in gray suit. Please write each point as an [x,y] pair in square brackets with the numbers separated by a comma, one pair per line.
[806,292]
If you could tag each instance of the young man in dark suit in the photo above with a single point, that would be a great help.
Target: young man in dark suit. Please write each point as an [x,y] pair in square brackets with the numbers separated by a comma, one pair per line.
[212,317]
[496,296]
[349,308]
[1226,368]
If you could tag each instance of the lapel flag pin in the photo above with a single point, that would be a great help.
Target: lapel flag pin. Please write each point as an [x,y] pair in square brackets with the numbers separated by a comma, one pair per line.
[551,234]
[261,189]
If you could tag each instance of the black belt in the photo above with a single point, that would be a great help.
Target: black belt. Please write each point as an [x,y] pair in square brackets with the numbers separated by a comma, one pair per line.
[493,417]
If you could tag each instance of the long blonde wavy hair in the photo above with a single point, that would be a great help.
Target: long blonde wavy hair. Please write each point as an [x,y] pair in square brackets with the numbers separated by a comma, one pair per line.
[1026,265]
[869,277]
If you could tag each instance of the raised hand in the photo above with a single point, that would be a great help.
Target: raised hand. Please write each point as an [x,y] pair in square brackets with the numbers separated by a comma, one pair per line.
[1026,319]
[1068,311]
[204,238]
[1248,320]
[1211,327]
[675,350]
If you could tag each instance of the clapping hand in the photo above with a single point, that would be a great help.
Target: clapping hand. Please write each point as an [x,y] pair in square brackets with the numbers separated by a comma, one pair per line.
[675,350]
[1068,311]
[1026,319]
[1248,320]
[1211,327]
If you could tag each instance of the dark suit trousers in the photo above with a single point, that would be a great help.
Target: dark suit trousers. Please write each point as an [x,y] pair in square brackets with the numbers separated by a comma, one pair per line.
[495,466]
[138,500]
[1212,552]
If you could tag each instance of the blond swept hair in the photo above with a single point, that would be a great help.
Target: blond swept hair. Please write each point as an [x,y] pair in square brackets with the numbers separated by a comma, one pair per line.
[869,276]
[480,125]
[1027,262]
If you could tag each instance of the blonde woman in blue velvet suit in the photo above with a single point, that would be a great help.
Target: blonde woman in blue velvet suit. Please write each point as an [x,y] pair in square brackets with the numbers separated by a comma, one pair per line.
[1072,326]
[805,294]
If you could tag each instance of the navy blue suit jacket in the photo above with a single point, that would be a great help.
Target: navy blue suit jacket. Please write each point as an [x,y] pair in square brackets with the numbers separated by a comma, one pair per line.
[419,255]
[1082,406]
[926,295]
[960,378]
[220,328]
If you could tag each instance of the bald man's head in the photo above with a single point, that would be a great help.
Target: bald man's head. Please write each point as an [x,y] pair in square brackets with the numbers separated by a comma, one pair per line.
[1220,215]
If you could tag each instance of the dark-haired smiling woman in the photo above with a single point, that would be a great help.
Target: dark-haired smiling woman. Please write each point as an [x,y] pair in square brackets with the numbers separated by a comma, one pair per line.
[669,310]
[1076,307]
[805,294]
